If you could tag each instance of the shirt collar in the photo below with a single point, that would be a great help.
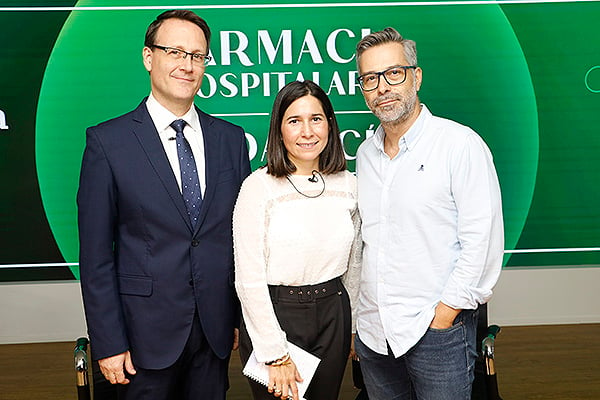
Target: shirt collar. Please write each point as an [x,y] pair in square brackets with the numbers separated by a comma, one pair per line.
[410,138]
[163,118]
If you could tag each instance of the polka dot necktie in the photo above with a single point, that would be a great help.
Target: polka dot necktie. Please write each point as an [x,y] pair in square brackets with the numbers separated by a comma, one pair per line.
[190,184]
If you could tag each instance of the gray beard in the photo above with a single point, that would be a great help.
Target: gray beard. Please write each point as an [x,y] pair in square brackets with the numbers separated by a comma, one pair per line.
[396,113]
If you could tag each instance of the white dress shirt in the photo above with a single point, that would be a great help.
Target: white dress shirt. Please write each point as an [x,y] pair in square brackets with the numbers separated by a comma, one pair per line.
[432,229]
[162,119]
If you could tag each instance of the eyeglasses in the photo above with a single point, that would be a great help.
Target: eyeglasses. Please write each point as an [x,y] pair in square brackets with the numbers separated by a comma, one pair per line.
[177,54]
[393,76]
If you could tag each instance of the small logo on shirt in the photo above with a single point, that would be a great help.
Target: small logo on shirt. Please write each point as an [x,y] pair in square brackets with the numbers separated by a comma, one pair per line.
[421,168]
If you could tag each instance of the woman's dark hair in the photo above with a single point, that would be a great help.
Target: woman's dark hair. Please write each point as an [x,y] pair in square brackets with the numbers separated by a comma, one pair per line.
[331,159]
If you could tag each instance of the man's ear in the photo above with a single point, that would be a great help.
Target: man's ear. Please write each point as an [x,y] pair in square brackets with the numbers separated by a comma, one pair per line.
[418,77]
[147,58]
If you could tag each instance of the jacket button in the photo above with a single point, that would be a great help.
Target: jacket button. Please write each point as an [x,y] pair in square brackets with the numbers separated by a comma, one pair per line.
[191,282]
[195,243]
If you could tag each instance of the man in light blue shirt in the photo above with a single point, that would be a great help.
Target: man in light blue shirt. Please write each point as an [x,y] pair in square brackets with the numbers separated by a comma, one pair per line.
[433,235]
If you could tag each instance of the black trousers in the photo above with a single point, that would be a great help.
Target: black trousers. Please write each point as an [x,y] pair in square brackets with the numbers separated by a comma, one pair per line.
[319,324]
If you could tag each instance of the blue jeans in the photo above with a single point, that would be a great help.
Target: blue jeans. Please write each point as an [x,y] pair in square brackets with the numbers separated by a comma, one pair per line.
[439,367]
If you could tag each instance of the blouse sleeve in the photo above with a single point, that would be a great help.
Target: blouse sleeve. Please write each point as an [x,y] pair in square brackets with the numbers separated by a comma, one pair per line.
[251,252]
[351,278]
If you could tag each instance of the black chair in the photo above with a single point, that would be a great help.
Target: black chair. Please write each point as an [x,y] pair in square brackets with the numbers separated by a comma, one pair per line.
[101,388]
[485,384]
[491,381]
[81,369]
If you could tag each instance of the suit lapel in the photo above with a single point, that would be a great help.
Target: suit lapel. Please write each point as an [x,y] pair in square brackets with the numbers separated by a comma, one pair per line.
[147,135]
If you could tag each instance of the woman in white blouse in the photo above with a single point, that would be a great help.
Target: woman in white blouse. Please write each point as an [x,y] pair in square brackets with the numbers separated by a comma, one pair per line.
[298,247]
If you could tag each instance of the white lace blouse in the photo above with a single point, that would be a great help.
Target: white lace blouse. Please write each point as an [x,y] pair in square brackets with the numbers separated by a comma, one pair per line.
[282,237]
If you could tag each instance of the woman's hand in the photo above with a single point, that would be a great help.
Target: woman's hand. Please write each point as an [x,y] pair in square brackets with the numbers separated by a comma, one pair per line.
[282,380]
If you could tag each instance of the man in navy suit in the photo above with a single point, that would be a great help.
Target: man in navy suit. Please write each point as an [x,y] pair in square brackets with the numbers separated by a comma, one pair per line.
[156,261]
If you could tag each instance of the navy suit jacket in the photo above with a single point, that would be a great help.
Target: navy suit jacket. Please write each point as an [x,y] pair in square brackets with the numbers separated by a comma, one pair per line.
[144,270]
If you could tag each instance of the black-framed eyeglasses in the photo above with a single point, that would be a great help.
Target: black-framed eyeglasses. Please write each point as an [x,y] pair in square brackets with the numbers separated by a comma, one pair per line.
[177,54]
[393,76]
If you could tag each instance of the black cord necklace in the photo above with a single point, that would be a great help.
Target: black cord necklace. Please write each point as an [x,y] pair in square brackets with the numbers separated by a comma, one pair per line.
[313,179]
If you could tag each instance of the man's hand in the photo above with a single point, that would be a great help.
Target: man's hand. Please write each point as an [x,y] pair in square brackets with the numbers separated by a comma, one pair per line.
[236,339]
[112,368]
[444,316]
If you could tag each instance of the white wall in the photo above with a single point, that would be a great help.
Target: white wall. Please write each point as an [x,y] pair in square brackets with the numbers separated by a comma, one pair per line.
[46,312]
[41,312]
[546,296]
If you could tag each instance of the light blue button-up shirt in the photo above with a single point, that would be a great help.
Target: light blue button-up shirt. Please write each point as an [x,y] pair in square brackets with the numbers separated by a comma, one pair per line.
[432,229]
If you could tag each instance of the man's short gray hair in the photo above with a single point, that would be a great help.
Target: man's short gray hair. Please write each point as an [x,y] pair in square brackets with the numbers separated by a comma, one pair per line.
[388,35]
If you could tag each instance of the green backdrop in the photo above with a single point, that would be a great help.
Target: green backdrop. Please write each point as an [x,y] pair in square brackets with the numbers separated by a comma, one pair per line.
[525,76]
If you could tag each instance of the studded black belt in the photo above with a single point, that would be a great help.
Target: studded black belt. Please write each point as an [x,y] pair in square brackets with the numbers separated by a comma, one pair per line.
[307,293]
